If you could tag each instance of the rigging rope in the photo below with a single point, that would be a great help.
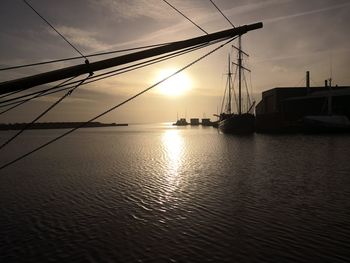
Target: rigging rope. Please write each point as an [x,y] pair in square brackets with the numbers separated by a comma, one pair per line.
[177,10]
[47,22]
[87,56]
[234,92]
[62,84]
[10,94]
[28,125]
[228,20]
[224,97]
[249,102]
[114,107]
[251,85]
[39,94]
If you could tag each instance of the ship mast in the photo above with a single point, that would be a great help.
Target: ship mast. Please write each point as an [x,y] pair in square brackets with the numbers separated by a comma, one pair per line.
[229,109]
[239,75]
[240,66]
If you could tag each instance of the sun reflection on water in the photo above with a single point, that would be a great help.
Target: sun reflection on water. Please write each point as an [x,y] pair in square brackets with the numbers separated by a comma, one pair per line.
[173,147]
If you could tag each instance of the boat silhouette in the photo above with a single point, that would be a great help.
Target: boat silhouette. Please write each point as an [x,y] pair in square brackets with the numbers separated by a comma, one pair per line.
[240,122]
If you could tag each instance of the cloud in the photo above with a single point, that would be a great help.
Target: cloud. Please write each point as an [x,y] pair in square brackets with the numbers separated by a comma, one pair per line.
[276,19]
[253,6]
[81,37]
[133,9]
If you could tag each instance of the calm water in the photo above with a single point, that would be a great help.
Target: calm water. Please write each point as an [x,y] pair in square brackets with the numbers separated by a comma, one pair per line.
[156,193]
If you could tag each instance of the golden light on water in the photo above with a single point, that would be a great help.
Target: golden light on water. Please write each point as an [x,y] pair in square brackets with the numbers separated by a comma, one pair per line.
[177,85]
[173,146]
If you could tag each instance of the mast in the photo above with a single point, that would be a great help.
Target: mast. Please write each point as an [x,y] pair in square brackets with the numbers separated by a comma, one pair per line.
[68,72]
[229,109]
[240,67]
[239,75]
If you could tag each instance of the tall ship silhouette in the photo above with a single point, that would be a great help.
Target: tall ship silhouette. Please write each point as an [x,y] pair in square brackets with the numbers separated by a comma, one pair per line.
[242,122]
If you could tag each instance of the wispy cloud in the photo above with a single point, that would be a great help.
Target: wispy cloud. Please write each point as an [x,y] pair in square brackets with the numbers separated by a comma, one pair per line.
[132,9]
[253,6]
[81,37]
[275,19]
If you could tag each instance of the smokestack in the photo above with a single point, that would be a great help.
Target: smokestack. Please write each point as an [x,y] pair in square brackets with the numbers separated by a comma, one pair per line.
[307,82]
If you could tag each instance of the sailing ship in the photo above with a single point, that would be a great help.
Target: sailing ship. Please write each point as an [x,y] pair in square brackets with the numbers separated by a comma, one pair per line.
[240,122]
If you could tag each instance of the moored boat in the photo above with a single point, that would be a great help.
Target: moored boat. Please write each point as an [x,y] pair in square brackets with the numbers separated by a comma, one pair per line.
[181,122]
[240,123]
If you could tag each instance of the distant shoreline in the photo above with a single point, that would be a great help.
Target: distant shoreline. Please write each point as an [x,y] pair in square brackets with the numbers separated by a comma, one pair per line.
[56,125]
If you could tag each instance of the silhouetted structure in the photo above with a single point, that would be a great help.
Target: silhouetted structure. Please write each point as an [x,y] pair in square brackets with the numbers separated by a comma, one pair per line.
[206,122]
[242,122]
[181,122]
[283,109]
[194,121]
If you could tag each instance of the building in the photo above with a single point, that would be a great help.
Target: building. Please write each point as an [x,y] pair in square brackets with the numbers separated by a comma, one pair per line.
[282,109]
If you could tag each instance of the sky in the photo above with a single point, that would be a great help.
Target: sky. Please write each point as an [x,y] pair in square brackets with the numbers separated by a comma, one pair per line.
[297,36]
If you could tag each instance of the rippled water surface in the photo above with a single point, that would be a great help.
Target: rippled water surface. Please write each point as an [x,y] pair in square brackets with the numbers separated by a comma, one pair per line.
[157,193]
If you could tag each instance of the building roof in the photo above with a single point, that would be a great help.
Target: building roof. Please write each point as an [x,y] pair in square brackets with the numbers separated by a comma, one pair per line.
[339,91]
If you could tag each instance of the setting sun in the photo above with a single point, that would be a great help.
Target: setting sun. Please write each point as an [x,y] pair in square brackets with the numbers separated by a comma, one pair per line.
[177,85]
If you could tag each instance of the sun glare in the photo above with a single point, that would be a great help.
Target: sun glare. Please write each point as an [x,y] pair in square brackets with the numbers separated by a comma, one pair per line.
[177,85]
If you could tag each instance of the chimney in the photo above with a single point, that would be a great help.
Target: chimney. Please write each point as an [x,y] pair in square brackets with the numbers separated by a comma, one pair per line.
[307,82]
